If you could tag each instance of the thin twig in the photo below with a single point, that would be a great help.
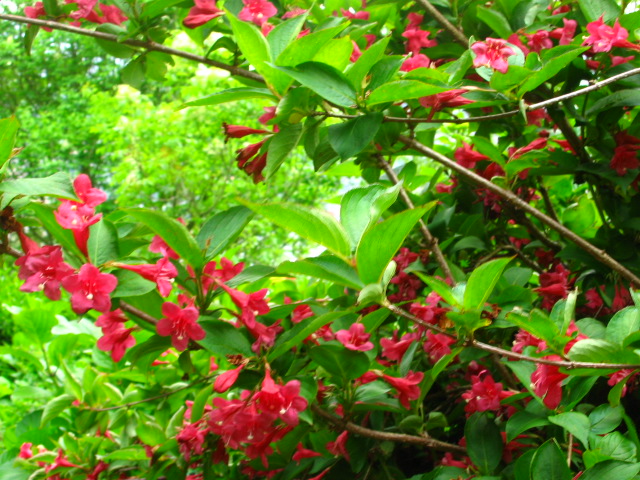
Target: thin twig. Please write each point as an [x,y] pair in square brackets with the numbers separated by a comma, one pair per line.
[547,200]
[149,46]
[569,449]
[457,34]
[425,441]
[432,242]
[516,202]
[569,365]
[138,313]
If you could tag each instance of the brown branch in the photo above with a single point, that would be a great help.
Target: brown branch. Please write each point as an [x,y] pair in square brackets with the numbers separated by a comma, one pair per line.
[138,313]
[516,202]
[457,34]
[351,427]
[568,364]
[149,46]
[432,242]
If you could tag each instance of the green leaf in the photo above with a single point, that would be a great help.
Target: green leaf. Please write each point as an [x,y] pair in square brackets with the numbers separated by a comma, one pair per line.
[325,267]
[575,423]
[440,287]
[381,242]
[495,20]
[150,433]
[130,284]
[361,208]
[402,90]
[522,421]
[115,49]
[103,242]
[305,48]
[230,95]
[339,362]
[611,470]
[171,231]
[282,35]
[336,53]
[372,293]
[601,351]
[605,418]
[559,58]
[621,98]
[256,50]
[614,445]
[132,454]
[57,185]
[549,463]
[484,442]
[482,282]
[310,223]
[55,407]
[8,129]
[359,70]
[224,339]
[30,36]
[133,73]
[593,9]
[155,8]
[281,145]
[616,391]
[222,229]
[351,137]
[624,323]
[202,398]
[326,81]
[293,337]
[540,325]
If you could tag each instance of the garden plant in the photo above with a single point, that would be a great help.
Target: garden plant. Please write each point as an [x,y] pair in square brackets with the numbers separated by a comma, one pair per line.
[469,310]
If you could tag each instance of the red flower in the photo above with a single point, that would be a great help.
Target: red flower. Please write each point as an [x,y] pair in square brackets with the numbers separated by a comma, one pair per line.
[437,345]
[468,157]
[90,289]
[415,61]
[566,33]
[117,343]
[281,401]
[26,451]
[240,131]
[355,338]
[257,11]
[84,10]
[249,304]
[437,102]
[181,324]
[407,387]
[89,196]
[339,446]
[111,14]
[43,269]
[418,39]
[158,245]
[539,41]
[485,394]
[493,53]
[203,11]
[546,382]
[225,380]
[361,15]
[77,217]
[394,349]
[302,453]
[191,440]
[603,38]
[162,273]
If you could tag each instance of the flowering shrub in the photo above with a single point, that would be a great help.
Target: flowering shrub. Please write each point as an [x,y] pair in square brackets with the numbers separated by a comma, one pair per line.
[479,320]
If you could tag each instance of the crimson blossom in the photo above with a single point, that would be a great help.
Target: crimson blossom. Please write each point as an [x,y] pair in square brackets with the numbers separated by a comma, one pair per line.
[90,289]
[492,53]
[181,324]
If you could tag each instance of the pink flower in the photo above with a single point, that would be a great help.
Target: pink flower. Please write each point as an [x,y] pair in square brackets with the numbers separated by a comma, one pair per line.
[619,376]
[111,320]
[394,349]
[181,324]
[355,338]
[566,33]
[203,11]
[468,157]
[625,156]
[485,394]
[77,217]
[361,15]
[339,446]
[162,273]
[452,98]
[158,245]
[250,304]
[539,41]
[415,61]
[251,161]
[418,39]
[437,345]
[26,451]
[302,453]
[117,341]
[89,196]
[407,387]
[493,53]
[225,380]
[43,269]
[281,401]
[90,289]
[191,440]
[603,38]
[300,313]
[111,14]
[84,10]
[264,335]
[546,382]
[257,11]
